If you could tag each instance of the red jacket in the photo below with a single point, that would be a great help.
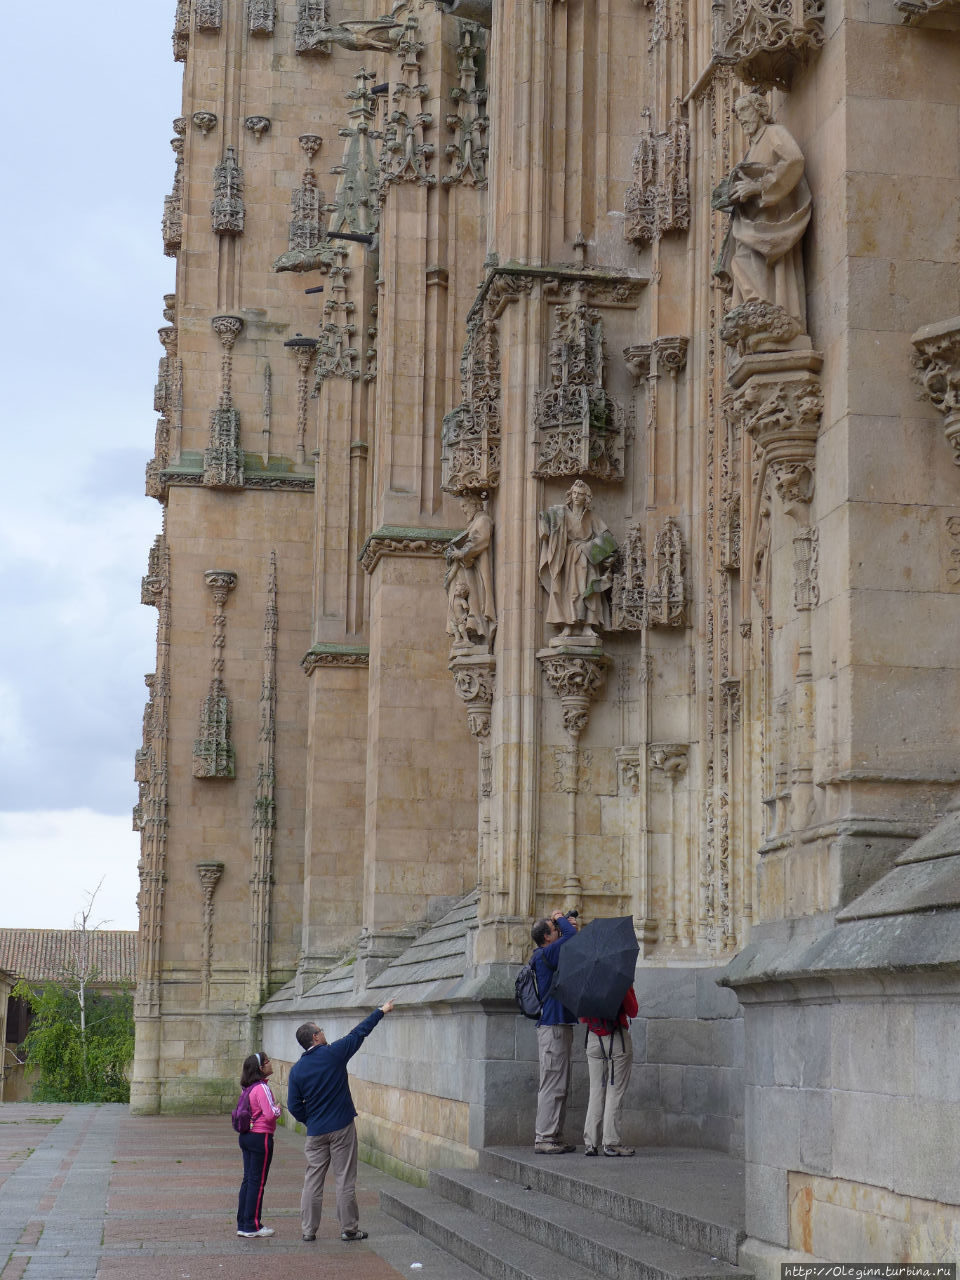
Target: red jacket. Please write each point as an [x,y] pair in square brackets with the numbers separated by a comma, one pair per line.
[603,1026]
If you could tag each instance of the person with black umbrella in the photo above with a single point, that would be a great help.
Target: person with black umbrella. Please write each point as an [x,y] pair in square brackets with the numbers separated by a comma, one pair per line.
[554,1035]
[594,979]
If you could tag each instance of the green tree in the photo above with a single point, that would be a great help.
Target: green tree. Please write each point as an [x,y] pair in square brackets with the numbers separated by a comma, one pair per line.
[80,1039]
[74,1063]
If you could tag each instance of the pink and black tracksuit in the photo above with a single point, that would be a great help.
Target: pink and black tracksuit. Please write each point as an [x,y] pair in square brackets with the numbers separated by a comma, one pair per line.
[257,1150]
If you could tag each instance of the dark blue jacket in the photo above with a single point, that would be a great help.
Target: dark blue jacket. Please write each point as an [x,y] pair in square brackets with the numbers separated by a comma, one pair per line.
[318,1092]
[544,961]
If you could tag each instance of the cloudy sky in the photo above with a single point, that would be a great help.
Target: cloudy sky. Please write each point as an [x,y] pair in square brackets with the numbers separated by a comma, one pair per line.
[86,164]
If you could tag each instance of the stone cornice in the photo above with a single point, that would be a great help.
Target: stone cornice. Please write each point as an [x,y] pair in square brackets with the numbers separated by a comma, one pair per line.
[335,655]
[280,475]
[400,540]
[507,282]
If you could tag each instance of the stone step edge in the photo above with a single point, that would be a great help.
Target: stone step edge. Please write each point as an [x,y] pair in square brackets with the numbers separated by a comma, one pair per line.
[489,1250]
[607,1246]
[715,1238]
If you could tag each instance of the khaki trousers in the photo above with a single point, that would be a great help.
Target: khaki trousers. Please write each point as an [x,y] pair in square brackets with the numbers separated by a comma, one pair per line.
[339,1151]
[609,1060]
[555,1047]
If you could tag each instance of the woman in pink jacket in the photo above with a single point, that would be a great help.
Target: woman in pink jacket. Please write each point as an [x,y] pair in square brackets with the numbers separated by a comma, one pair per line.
[257,1145]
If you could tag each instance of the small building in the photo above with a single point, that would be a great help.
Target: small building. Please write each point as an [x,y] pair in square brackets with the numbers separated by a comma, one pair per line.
[39,956]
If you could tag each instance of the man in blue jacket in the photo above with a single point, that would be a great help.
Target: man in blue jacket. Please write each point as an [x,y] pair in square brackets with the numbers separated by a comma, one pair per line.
[318,1095]
[554,1036]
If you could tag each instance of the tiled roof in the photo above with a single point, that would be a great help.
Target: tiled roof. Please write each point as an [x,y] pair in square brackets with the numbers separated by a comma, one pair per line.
[46,955]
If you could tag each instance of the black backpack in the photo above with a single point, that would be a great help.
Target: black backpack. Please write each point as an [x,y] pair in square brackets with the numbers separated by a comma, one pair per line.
[527,993]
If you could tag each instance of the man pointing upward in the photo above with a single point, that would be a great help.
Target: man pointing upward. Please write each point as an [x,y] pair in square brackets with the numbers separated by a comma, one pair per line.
[318,1095]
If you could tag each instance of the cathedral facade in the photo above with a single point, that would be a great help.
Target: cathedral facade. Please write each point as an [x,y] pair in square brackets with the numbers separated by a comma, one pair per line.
[558,445]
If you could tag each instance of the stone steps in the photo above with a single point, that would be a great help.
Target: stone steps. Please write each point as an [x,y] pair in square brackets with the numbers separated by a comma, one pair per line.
[523,1219]
[612,1188]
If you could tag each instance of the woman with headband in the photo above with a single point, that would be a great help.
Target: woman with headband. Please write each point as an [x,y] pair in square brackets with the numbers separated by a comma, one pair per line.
[257,1145]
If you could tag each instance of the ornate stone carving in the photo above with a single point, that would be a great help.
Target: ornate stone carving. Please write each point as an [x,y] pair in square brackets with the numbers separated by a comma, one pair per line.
[471,608]
[769,203]
[767,41]
[150,813]
[265,800]
[172,223]
[181,31]
[209,873]
[469,122]
[471,432]
[669,758]
[213,751]
[658,199]
[914,11]
[778,403]
[304,349]
[666,595]
[205,121]
[628,771]
[226,208]
[309,32]
[952,526]
[473,678]
[757,327]
[257,125]
[406,155]
[336,354]
[397,541]
[579,427]
[936,364]
[307,250]
[223,457]
[310,144]
[628,595]
[209,14]
[806,561]
[261,17]
[730,532]
[335,655]
[577,552]
[577,678]
[356,204]
[167,401]
[370,353]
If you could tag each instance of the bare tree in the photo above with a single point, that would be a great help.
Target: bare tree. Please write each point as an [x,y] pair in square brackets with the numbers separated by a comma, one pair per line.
[79,967]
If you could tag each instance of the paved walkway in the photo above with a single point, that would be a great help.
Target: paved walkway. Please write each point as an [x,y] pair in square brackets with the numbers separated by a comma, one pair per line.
[93,1193]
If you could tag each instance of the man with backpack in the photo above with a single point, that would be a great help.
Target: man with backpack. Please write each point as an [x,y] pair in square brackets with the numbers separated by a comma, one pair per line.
[554,1036]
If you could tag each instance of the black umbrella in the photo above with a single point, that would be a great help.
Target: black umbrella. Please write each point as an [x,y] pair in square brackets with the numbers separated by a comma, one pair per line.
[595,970]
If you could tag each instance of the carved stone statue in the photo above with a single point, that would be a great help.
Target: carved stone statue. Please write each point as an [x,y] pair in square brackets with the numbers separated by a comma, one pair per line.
[380,35]
[576,570]
[769,201]
[471,611]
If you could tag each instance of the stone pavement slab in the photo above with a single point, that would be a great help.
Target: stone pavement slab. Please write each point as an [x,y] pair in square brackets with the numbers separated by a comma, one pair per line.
[93,1193]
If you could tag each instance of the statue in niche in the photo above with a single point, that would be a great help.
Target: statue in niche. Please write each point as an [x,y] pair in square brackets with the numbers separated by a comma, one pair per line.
[577,553]
[769,201]
[471,611]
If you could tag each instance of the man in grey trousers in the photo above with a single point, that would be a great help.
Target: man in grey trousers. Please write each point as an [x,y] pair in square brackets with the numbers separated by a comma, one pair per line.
[554,1036]
[318,1095]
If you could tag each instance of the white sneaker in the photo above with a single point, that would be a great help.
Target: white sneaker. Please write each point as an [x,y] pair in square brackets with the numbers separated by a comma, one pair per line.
[265,1231]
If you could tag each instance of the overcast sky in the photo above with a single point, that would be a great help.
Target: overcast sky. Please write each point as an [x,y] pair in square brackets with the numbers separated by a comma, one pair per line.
[87,163]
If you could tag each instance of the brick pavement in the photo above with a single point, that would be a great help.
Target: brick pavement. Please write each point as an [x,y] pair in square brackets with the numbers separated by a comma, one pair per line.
[93,1193]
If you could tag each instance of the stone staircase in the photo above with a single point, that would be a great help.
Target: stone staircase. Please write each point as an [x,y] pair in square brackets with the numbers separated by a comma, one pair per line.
[663,1215]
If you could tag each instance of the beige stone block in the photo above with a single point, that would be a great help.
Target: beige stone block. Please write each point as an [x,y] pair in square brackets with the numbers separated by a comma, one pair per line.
[903,138]
[894,547]
[893,216]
